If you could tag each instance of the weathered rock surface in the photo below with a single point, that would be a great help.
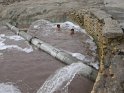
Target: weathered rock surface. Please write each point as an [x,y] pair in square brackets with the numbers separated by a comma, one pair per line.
[112,28]
[53,10]
[116,9]
[6,2]
[109,37]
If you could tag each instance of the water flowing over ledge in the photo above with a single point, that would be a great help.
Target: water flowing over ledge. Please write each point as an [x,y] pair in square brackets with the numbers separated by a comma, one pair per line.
[61,78]
[15,38]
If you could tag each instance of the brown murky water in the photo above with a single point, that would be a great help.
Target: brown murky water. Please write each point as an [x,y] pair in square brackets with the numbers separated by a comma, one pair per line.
[30,70]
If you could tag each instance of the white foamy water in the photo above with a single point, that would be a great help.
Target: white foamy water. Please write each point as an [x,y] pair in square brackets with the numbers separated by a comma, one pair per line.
[92,44]
[4,46]
[78,56]
[13,37]
[83,58]
[95,65]
[8,88]
[61,78]
[48,27]
[69,25]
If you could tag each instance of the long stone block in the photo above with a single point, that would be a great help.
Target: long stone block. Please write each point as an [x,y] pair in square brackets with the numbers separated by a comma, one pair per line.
[111,29]
[99,14]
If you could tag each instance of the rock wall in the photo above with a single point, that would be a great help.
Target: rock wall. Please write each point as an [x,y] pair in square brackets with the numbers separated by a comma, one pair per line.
[109,37]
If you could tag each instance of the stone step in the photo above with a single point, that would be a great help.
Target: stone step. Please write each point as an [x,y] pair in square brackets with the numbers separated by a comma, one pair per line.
[121,21]
[114,10]
[121,25]
[118,18]
[112,28]
[117,14]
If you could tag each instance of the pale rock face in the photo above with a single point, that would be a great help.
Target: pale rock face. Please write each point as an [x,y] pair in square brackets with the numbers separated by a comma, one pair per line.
[10,1]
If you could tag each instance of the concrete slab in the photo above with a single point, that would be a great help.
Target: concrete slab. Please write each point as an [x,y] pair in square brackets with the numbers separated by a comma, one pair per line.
[121,25]
[111,28]
[114,3]
[116,9]
[100,14]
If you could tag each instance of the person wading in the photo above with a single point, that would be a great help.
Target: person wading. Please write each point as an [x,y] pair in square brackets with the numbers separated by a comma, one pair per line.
[72,32]
[58,27]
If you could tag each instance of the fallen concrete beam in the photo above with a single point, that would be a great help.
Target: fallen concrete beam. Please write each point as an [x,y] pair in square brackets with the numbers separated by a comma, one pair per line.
[64,57]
